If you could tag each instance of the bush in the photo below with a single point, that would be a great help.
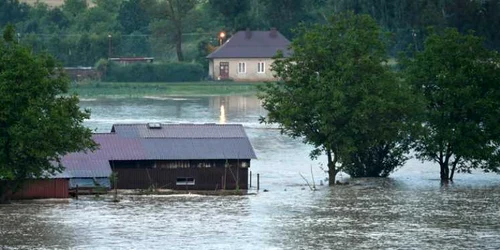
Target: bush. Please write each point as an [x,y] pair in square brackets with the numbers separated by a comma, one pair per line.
[147,72]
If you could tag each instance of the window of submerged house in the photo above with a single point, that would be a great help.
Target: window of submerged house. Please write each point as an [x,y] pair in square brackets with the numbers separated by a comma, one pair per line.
[184,181]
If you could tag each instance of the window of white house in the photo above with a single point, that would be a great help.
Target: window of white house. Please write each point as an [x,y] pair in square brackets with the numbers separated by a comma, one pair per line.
[185,181]
[261,67]
[242,67]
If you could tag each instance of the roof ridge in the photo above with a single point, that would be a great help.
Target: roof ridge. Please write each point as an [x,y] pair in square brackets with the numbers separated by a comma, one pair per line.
[178,124]
[180,137]
[129,124]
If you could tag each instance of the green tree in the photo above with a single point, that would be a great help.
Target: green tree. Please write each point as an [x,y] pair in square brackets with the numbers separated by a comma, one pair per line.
[133,16]
[57,17]
[12,11]
[111,6]
[337,94]
[234,13]
[39,121]
[135,44]
[284,14]
[459,79]
[74,7]
[175,13]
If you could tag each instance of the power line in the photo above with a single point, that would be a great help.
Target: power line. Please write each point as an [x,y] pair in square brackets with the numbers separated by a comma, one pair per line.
[106,34]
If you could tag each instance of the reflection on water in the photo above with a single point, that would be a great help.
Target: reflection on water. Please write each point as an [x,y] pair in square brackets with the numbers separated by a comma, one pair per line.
[410,210]
[203,109]
[222,114]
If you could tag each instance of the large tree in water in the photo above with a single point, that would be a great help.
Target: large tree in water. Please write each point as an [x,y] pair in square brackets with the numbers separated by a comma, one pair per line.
[338,94]
[460,80]
[39,121]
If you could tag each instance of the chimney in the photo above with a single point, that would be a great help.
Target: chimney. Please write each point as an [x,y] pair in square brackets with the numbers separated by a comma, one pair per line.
[248,33]
[273,33]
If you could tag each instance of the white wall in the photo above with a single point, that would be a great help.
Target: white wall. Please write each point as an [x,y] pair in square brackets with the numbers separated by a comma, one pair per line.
[251,73]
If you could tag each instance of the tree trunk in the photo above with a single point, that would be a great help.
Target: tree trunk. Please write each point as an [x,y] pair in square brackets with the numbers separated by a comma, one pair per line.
[445,172]
[3,198]
[3,193]
[455,162]
[178,45]
[332,172]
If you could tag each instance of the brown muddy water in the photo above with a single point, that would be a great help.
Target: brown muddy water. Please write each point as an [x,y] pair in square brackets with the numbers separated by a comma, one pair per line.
[409,210]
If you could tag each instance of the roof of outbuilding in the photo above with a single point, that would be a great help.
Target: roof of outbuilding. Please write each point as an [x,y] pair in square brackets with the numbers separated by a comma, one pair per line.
[186,130]
[167,142]
[253,44]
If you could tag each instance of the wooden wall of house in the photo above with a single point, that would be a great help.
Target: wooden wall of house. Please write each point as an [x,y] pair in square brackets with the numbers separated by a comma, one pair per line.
[206,175]
[43,189]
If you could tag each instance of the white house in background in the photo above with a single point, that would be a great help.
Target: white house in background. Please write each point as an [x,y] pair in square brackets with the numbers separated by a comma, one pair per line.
[247,56]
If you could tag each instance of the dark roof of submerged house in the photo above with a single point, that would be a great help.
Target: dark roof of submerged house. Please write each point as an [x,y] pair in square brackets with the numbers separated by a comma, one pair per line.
[159,142]
[253,44]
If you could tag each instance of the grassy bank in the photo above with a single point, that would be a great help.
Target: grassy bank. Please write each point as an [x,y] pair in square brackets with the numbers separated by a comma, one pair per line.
[129,89]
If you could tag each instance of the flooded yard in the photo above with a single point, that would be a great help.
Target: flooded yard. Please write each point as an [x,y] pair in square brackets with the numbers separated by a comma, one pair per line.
[409,210]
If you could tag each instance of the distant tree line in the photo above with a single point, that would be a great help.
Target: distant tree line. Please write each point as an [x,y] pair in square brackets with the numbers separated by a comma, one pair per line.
[79,34]
[149,72]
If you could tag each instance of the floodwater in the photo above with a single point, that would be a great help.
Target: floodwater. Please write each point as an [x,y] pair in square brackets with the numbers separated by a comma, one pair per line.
[409,210]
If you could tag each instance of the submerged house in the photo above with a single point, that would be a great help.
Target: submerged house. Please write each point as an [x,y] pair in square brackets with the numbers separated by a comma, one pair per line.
[169,156]
[80,170]
[182,156]
[154,155]
[247,56]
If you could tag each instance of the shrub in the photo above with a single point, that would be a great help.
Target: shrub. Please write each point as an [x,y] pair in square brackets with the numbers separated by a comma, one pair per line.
[146,72]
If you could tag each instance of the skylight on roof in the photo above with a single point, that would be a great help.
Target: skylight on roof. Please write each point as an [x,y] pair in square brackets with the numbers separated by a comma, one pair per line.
[154,125]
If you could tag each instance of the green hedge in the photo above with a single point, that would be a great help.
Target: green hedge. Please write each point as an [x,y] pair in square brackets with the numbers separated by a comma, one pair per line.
[149,72]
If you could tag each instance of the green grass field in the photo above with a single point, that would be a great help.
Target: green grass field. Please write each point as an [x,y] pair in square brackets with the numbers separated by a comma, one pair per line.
[139,89]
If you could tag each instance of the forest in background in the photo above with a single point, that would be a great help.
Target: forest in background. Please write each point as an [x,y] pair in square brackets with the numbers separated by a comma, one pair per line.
[79,34]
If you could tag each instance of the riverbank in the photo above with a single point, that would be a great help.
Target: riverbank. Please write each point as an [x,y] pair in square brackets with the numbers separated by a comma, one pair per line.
[91,89]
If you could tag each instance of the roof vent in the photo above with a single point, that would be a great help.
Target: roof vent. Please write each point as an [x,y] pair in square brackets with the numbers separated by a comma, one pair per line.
[248,33]
[273,33]
[155,125]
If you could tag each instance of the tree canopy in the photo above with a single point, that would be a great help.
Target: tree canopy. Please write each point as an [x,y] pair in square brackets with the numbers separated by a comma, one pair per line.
[337,93]
[459,80]
[61,30]
[175,14]
[39,121]
[12,11]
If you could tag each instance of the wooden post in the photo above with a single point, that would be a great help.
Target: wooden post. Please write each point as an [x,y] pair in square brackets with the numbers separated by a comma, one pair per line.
[238,174]
[258,182]
[250,178]
[115,180]
[76,192]
[225,173]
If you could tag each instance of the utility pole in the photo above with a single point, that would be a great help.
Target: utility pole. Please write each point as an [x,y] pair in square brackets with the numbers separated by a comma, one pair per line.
[109,46]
